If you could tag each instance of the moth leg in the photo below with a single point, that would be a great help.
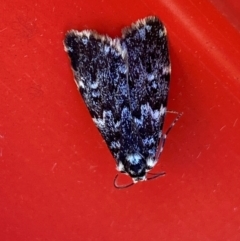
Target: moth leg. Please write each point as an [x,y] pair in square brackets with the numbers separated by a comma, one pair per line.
[164,136]
[174,122]
[172,112]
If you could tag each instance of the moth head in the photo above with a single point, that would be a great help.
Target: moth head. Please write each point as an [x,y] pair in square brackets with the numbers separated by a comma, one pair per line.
[136,167]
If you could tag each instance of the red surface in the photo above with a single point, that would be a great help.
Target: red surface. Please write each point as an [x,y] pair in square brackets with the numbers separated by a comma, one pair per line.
[56,174]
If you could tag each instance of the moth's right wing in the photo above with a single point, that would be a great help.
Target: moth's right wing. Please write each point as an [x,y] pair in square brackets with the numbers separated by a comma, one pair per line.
[100,71]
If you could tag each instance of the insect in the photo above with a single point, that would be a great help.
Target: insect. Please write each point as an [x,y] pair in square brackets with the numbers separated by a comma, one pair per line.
[124,83]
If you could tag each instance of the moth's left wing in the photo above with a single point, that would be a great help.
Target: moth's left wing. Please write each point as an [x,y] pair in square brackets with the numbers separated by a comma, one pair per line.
[149,76]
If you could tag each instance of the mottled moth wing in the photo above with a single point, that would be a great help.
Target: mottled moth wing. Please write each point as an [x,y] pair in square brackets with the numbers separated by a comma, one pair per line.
[124,83]
[149,75]
[100,71]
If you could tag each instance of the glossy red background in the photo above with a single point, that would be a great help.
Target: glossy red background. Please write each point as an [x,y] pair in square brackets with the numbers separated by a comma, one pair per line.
[56,173]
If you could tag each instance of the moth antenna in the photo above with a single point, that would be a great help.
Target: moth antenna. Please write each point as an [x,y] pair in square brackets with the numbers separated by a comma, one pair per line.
[121,186]
[156,175]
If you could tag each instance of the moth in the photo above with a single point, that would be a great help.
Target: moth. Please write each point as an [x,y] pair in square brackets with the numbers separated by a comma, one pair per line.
[124,83]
